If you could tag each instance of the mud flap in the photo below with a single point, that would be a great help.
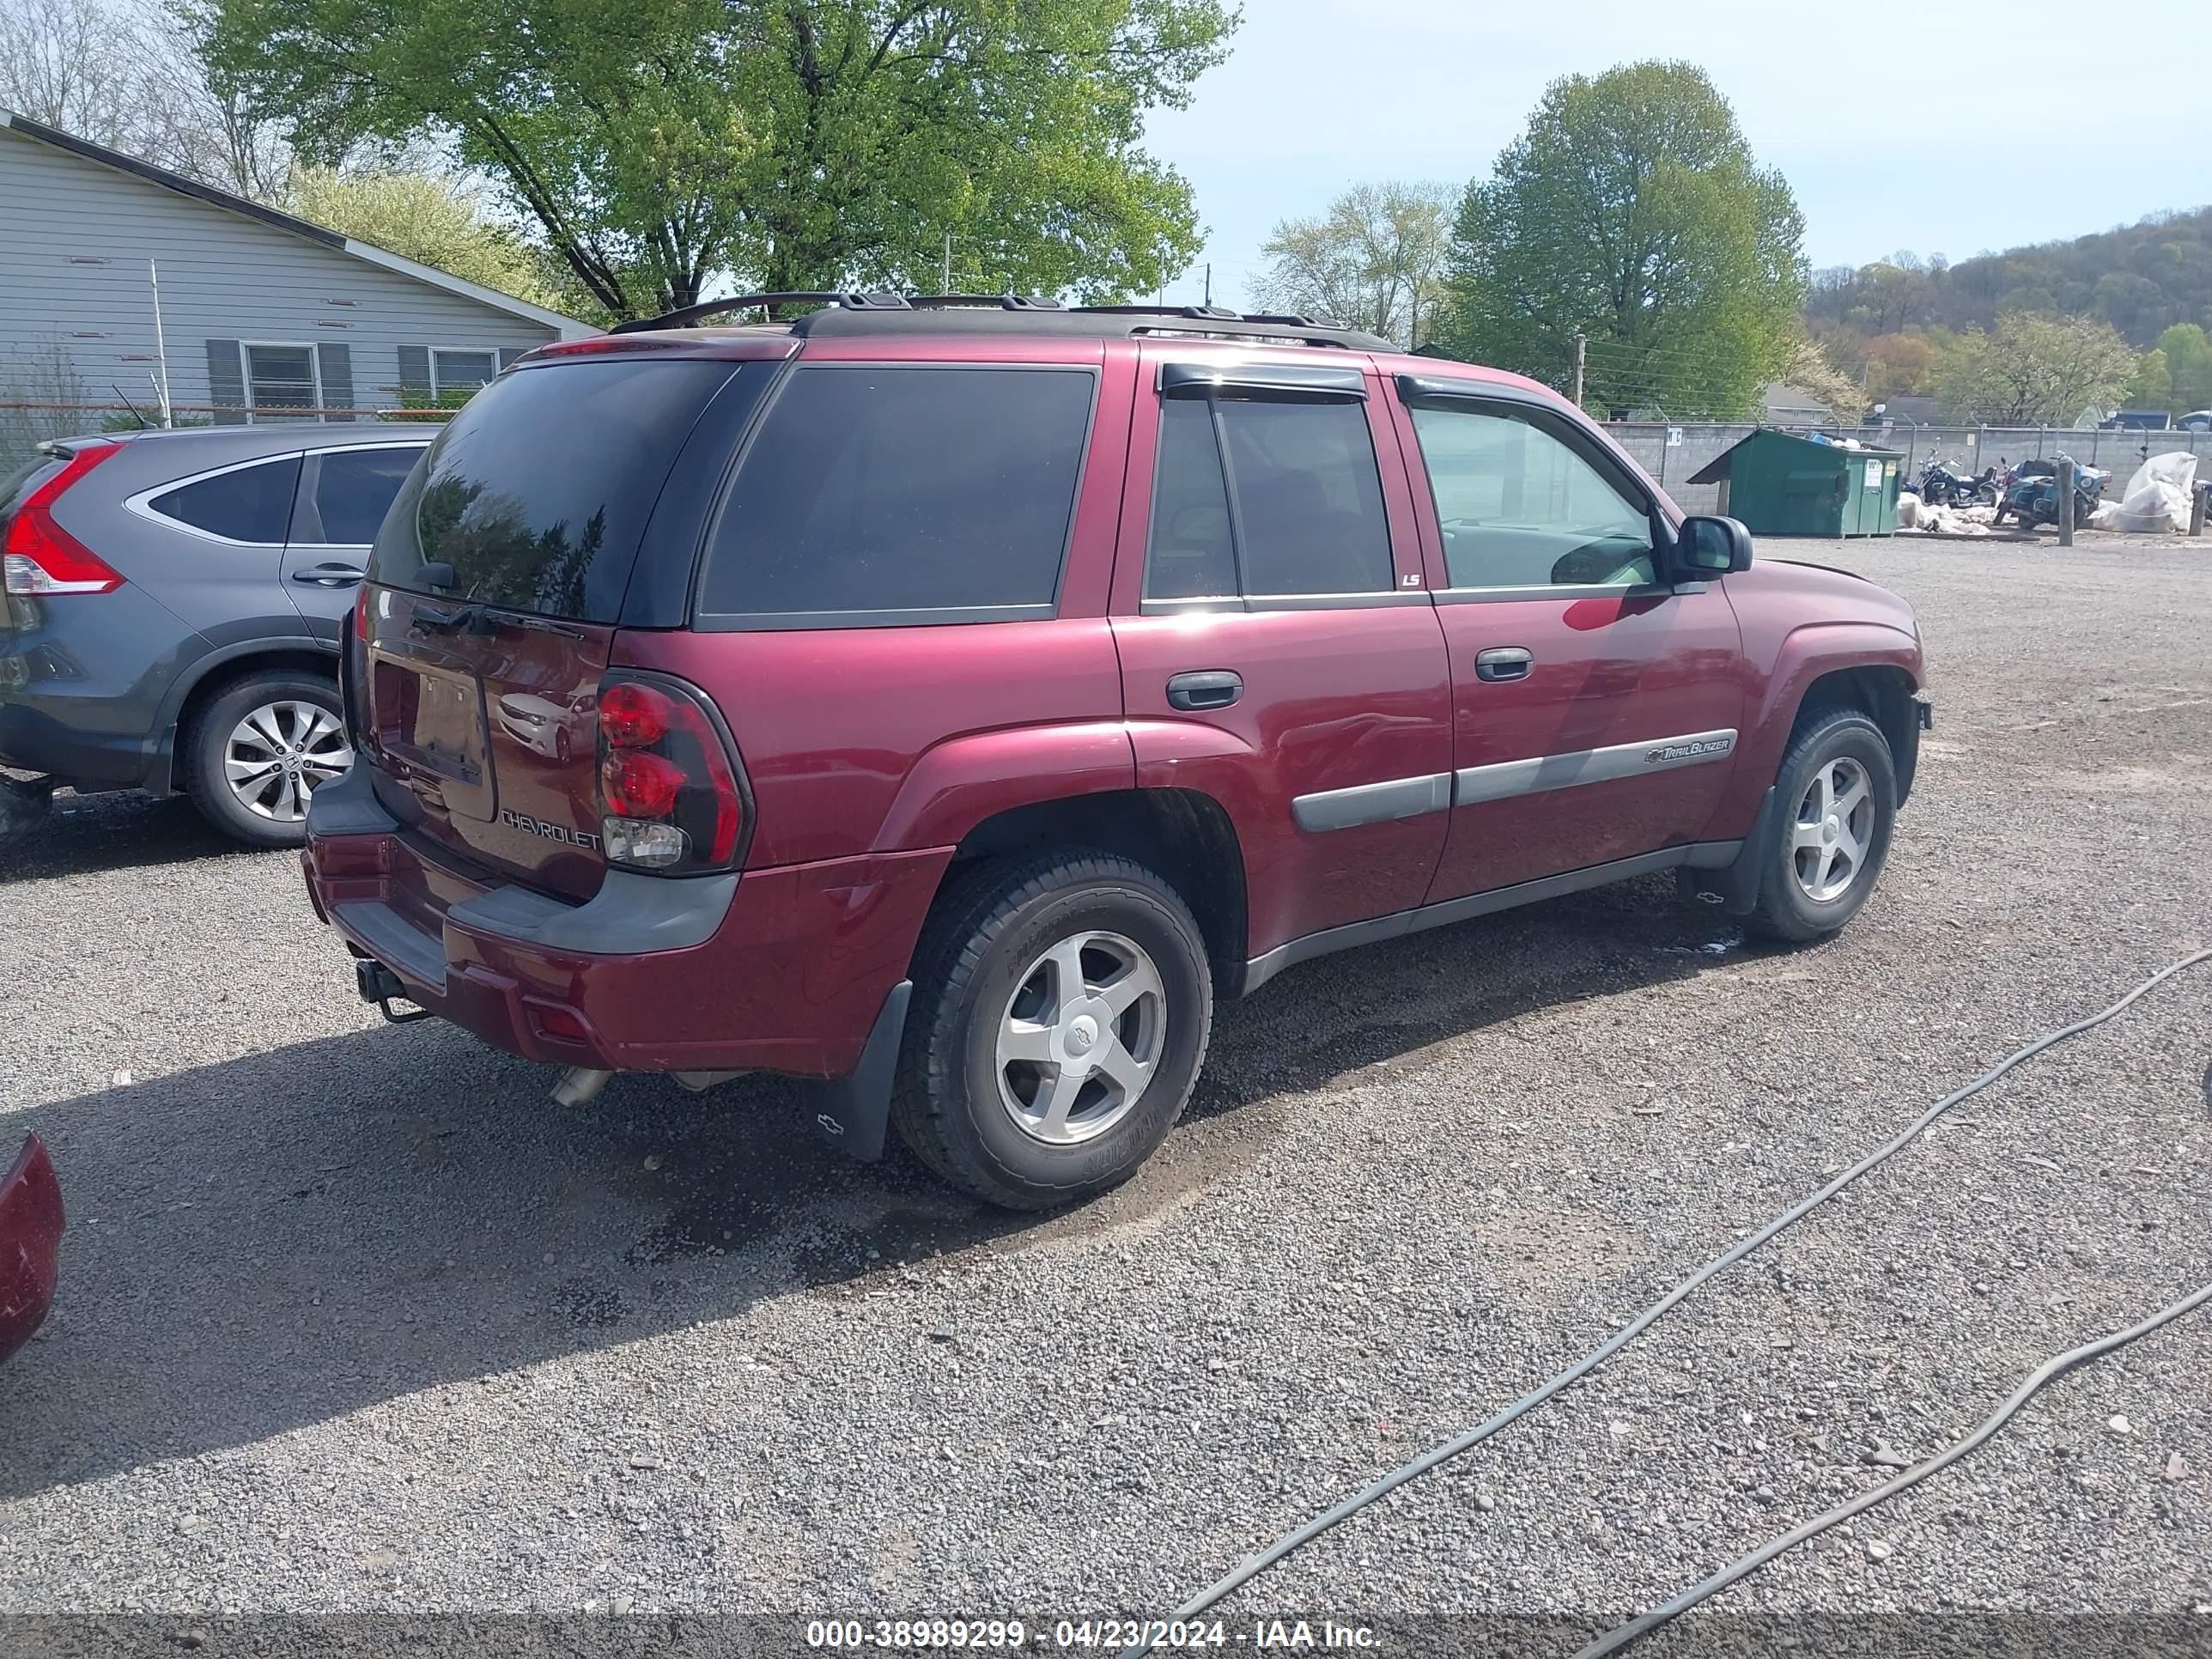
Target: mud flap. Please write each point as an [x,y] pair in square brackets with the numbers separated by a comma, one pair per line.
[1735,887]
[22,805]
[854,1113]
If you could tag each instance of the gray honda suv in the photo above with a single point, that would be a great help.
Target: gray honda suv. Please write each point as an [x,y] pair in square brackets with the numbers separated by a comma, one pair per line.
[174,601]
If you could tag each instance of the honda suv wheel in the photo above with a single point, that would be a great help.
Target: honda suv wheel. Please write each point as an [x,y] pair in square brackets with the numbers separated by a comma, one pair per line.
[255,755]
[1062,1009]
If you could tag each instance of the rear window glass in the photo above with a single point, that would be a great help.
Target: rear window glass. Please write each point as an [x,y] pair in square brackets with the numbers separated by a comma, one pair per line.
[893,493]
[538,492]
[245,504]
[343,494]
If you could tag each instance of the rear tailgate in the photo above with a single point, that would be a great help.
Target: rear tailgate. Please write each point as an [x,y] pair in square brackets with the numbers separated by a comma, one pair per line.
[541,502]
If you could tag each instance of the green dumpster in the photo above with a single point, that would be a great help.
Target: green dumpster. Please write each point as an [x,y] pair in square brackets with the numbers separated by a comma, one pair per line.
[1780,485]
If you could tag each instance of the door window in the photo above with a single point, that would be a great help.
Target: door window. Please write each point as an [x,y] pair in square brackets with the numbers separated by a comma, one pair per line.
[343,494]
[1261,497]
[1520,507]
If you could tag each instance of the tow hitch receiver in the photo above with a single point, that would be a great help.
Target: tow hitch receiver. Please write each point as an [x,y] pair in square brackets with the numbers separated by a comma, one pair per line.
[379,985]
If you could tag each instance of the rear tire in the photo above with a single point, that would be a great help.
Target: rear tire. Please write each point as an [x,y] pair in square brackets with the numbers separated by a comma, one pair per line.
[1062,1007]
[253,754]
[1836,792]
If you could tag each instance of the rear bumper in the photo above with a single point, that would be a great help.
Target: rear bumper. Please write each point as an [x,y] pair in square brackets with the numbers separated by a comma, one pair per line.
[783,971]
[30,1244]
[33,741]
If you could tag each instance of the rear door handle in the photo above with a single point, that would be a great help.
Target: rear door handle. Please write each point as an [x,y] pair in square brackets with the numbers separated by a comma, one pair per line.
[1210,688]
[329,575]
[1505,662]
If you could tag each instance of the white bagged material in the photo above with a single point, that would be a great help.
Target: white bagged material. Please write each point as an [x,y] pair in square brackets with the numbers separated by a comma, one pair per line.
[2157,498]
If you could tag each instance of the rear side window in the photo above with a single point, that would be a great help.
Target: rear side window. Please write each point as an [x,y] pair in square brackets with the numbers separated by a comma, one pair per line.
[919,494]
[1296,511]
[344,493]
[245,504]
[538,492]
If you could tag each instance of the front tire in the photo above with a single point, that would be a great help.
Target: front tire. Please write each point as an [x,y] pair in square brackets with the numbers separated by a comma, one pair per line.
[1062,1007]
[255,754]
[1836,790]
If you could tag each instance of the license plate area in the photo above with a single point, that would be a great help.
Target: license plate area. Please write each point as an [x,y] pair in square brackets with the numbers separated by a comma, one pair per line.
[430,729]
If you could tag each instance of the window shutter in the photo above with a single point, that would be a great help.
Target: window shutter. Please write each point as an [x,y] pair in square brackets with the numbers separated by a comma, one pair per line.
[227,382]
[507,355]
[336,362]
[415,372]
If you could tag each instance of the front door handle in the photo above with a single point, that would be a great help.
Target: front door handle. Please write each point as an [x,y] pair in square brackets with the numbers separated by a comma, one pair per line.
[1210,688]
[1505,662]
[329,575]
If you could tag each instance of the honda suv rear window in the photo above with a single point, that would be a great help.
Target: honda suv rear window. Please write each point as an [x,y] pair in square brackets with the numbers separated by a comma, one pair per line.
[539,492]
[891,494]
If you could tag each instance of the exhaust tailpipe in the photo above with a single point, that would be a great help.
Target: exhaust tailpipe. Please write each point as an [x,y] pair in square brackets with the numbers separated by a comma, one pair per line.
[580,1085]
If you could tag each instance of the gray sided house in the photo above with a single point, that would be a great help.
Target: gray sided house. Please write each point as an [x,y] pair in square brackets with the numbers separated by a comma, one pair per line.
[264,316]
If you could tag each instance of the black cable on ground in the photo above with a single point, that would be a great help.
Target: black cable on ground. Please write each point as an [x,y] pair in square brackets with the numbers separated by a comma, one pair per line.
[1254,1565]
[2049,1371]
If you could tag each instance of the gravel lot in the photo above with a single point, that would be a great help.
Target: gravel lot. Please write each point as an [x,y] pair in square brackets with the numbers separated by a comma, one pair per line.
[353,1318]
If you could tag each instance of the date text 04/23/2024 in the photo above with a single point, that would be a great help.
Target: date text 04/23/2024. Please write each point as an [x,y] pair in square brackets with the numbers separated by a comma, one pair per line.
[1110,1634]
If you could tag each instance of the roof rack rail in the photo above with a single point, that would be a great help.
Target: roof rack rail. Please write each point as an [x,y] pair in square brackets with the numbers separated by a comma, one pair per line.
[852,312]
[685,315]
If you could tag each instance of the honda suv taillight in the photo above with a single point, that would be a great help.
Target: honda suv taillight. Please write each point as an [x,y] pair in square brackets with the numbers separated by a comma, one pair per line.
[672,796]
[39,556]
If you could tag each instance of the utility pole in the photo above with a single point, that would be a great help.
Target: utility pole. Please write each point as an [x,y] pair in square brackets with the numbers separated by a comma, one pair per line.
[2065,501]
[1581,342]
[1209,284]
[947,289]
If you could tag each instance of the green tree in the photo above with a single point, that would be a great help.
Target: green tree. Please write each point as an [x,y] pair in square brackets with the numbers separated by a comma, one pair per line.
[2188,367]
[433,219]
[1632,210]
[2151,386]
[1375,260]
[1807,367]
[660,145]
[2035,371]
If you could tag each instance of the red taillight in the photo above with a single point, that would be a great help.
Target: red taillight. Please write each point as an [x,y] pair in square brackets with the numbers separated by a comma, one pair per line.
[640,784]
[634,716]
[39,556]
[361,613]
[672,797]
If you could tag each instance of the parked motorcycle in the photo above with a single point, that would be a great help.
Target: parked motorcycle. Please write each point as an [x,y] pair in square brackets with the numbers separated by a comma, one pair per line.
[2032,495]
[1941,486]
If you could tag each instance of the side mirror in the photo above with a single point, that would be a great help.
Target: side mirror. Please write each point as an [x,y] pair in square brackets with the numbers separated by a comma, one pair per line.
[1707,547]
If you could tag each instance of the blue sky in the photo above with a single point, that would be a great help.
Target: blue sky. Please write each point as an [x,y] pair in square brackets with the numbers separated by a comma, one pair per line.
[1897,122]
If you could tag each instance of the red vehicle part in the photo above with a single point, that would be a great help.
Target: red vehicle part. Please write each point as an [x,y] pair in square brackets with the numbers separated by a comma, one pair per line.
[30,1244]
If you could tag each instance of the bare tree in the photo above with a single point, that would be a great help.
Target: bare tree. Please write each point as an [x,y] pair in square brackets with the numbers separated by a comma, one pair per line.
[1374,259]
[192,122]
[130,76]
[66,64]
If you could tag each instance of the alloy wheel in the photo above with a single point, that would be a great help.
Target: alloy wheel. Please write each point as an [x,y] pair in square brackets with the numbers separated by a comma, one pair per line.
[1081,1038]
[276,756]
[1833,833]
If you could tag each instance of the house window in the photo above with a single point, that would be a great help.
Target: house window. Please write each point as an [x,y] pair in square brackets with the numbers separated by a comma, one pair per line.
[460,371]
[281,377]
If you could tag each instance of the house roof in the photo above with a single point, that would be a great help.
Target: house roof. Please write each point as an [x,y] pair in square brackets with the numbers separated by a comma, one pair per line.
[568,327]
[1783,400]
